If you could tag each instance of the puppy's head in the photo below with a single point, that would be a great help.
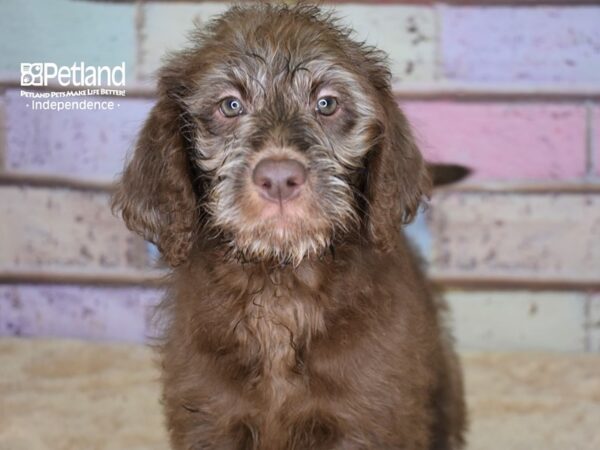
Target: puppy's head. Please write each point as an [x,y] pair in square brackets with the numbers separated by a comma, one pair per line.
[277,136]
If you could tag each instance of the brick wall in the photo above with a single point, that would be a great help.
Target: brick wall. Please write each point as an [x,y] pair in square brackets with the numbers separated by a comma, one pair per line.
[511,89]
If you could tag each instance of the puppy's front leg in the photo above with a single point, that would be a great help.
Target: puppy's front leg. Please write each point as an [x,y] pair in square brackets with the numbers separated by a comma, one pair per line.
[203,426]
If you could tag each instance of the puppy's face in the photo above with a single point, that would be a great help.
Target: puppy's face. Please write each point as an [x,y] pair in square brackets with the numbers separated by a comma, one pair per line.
[275,135]
[280,125]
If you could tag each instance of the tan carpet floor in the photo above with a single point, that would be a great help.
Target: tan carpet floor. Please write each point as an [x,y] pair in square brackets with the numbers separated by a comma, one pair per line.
[69,395]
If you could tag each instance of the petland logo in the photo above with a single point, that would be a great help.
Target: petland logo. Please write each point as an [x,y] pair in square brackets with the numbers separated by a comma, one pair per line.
[77,75]
[76,87]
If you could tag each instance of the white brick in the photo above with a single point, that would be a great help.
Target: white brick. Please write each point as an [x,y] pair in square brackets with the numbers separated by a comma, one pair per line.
[166,27]
[406,33]
[523,235]
[64,230]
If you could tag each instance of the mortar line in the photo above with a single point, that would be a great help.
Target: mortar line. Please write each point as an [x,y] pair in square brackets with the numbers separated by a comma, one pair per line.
[587,322]
[140,20]
[438,74]
[590,141]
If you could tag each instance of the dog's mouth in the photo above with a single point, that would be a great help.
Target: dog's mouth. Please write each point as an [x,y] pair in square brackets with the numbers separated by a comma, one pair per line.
[282,213]
[278,212]
[280,197]
[285,231]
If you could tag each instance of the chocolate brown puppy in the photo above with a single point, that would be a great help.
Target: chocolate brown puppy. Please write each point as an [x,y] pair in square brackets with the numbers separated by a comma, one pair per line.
[274,174]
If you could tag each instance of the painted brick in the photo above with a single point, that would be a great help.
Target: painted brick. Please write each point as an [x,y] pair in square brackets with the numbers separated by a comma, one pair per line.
[407,33]
[84,144]
[165,28]
[64,230]
[534,235]
[97,313]
[64,32]
[595,122]
[594,323]
[518,320]
[2,131]
[508,44]
[501,142]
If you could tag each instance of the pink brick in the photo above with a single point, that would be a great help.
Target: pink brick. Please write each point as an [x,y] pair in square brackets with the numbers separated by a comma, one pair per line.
[98,313]
[520,44]
[86,144]
[503,142]
[540,236]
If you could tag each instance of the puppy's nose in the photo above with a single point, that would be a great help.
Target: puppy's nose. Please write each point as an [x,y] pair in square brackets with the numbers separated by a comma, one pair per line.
[279,179]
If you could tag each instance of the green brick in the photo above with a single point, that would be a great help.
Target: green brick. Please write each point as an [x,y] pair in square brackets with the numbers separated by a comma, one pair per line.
[64,32]
[518,320]
[593,323]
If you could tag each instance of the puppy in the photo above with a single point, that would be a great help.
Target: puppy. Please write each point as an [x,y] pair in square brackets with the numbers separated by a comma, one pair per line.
[274,175]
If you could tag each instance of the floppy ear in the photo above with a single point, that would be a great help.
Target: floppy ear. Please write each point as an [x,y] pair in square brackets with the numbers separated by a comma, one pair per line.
[443,174]
[397,177]
[155,194]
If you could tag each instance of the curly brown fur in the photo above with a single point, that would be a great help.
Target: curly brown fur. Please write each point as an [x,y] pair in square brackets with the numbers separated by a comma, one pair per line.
[304,325]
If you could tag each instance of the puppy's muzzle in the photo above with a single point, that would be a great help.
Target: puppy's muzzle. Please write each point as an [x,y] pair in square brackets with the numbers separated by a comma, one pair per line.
[279,180]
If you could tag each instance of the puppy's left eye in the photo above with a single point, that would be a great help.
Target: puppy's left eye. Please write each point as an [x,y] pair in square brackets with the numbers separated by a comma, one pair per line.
[232,107]
[327,105]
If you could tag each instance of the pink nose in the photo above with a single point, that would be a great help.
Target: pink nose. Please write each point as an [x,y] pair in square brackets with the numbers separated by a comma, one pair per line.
[279,180]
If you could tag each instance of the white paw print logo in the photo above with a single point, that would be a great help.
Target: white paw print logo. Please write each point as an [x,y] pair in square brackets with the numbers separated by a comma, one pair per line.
[32,74]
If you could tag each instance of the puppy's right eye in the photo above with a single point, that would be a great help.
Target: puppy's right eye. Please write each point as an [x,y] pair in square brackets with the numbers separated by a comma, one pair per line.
[327,105]
[232,107]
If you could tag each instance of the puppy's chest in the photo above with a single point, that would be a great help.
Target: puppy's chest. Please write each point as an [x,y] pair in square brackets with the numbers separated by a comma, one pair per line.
[276,330]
